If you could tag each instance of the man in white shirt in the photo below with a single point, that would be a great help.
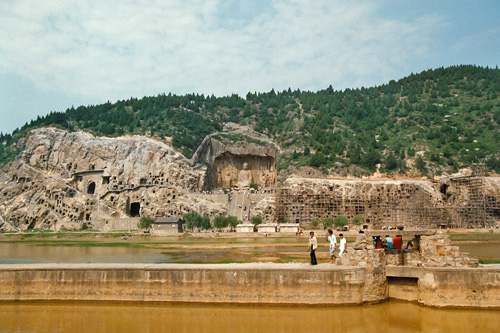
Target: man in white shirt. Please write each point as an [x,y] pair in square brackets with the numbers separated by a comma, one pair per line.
[343,244]
[333,244]
[313,245]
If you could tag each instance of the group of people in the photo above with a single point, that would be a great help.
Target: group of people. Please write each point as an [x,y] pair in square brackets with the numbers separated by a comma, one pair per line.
[395,243]
[388,242]
[330,236]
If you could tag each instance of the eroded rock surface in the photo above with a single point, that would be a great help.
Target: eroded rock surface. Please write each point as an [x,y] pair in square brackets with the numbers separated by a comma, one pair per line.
[70,179]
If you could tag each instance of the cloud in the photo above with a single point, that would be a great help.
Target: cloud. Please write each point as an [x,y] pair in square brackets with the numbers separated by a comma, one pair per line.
[116,49]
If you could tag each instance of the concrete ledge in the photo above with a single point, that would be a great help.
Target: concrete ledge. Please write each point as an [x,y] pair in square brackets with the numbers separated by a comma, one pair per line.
[403,271]
[216,283]
[460,287]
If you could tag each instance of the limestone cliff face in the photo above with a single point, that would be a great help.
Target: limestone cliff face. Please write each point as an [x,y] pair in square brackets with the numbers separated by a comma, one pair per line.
[68,179]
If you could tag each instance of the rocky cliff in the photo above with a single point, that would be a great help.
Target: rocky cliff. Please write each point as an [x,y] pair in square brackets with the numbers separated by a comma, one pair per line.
[76,180]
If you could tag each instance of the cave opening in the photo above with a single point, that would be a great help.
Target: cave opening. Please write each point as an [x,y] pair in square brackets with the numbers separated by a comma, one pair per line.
[135,208]
[444,188]
[91,188]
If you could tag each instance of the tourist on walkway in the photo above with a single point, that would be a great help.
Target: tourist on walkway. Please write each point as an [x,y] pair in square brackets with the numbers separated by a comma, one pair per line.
[333,244]
[343,244]
[313,245]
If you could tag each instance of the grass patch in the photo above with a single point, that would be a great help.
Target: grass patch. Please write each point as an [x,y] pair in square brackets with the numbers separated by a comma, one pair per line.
[489,261]
[285,260]
[174,255]
[229,261]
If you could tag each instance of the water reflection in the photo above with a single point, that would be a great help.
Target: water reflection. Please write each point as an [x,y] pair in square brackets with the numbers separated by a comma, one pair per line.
[387,317]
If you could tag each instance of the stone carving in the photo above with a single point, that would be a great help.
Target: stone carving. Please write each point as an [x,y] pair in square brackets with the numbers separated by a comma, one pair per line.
[225,158]
[245,176]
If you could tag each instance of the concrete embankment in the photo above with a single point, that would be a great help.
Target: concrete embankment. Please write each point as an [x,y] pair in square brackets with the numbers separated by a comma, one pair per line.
[253,283]
[446,286]
[219,283]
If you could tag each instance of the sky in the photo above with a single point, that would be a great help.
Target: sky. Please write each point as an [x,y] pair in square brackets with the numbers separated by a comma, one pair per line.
[58,54]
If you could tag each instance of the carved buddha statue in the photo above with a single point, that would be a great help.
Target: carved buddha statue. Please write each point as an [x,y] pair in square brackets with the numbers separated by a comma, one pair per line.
[244,176]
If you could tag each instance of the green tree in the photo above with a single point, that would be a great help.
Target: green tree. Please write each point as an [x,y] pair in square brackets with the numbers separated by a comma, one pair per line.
[256,220]
[205,222]
[232,221]
[220,222]
[193,220]
[327,222]
[317,160]
[314,222]
[390,162]
[307,151]
[420,164]
[145,222]
[358,220]
[340,221]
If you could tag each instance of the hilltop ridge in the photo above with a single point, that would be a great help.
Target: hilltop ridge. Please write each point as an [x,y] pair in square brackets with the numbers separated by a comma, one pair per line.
[430,123]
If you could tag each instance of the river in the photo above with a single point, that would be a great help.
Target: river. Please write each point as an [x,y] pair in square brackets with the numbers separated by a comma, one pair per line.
[392,316]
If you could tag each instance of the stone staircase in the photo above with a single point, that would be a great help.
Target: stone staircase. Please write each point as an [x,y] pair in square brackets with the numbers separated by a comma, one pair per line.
[239,205]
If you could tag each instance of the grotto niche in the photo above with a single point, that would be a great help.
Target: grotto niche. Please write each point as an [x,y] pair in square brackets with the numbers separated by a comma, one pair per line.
[230,170]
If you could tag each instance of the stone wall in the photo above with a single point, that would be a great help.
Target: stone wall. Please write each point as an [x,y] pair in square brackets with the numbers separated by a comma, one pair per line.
[223,283]
[374,260]
[460,287]
[436,251]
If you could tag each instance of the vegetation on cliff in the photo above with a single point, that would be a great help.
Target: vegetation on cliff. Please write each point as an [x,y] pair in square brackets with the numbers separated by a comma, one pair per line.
[439,120]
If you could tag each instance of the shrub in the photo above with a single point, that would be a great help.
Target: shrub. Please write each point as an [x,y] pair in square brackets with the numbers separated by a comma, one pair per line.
[358,219]
[193,220]
[232,221]
[256,220]
[145,222]
[220,222]
[340,221]
[327,222]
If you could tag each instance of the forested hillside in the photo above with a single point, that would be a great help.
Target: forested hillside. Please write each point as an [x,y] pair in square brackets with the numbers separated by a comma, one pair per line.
[440,120]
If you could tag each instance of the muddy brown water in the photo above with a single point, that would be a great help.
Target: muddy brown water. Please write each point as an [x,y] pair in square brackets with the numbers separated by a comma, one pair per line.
[392,316]
[172,250]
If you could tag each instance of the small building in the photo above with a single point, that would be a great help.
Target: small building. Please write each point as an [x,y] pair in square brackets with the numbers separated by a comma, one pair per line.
[171,224]
[291,227]
[245,227]
[268,227]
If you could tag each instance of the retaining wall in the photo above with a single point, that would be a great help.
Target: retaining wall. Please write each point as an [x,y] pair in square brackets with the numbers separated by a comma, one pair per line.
[463,287]
[446,286]
[251,284]
[221,283]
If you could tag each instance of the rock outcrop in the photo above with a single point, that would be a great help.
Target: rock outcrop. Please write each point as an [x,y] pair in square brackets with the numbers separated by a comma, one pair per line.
[75,180]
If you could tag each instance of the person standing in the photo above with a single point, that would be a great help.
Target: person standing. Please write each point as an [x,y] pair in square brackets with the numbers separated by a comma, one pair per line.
[313,245]
[343,244]
[333,244]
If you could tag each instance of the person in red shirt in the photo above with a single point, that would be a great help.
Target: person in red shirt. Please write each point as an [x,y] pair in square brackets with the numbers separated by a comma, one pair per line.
[397,242]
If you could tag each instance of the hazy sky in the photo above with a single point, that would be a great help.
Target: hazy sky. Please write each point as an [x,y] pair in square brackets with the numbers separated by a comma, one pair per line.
[55,54]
